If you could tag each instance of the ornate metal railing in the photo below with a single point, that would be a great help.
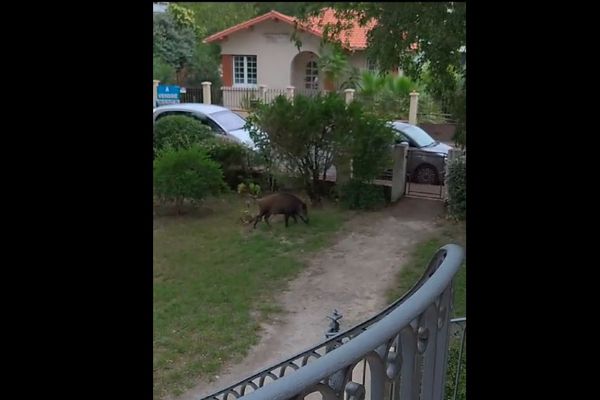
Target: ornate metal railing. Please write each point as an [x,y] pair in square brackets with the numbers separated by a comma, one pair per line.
[405,347]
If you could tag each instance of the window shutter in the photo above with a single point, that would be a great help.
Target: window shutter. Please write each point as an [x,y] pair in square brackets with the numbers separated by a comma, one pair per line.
[227,65]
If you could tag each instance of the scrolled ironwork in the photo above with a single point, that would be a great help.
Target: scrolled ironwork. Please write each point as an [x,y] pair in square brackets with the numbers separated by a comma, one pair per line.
[405,347]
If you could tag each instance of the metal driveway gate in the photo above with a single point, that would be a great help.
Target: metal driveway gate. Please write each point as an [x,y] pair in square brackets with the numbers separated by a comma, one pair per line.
[425,174]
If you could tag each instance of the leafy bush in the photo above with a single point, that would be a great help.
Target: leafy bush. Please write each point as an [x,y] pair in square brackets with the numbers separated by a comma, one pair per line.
[457,188]
[301,138]
[179,132]
[225,152]
[186,174]
[232,157]
[363,196]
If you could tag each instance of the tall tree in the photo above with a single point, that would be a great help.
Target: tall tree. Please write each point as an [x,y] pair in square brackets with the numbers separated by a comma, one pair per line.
[416,36]
[293,9]
[173,43]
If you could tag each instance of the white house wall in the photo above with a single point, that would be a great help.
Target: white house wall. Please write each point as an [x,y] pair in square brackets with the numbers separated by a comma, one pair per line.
[270,42]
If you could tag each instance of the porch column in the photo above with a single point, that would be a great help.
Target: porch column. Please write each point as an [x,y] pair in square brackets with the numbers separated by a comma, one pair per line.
[206,92]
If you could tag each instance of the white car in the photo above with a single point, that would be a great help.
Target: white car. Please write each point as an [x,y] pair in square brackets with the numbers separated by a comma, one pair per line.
[221,120]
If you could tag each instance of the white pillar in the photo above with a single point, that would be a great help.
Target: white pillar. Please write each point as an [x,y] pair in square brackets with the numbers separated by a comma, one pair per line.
[262,91]
[399,172]
[412,111]
[206,92]
[290,92]
[349,95]
[155,83]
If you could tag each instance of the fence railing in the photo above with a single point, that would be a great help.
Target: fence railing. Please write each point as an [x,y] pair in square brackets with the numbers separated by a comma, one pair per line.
[242,98]
[239,98]
[191,95]
[402,351]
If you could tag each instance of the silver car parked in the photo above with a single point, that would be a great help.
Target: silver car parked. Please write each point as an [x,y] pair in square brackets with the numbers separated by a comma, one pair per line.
[222,121]
[427,157]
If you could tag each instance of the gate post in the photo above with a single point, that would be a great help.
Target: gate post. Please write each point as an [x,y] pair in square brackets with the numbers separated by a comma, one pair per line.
[290,92]
[349,95]
[206,92]
[399,155]
[412,110]
[155,83]
[262,90]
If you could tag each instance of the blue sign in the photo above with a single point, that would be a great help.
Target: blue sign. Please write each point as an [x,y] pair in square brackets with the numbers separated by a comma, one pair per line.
[167,94]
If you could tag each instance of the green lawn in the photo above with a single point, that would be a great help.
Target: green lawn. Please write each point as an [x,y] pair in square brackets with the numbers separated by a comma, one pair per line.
[213,281]
[451,232]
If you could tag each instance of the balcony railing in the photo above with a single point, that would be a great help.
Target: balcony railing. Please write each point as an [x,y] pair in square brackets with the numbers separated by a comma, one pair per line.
[401,353]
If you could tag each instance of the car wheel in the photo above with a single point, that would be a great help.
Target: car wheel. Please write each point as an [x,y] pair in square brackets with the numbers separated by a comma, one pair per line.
[427,175]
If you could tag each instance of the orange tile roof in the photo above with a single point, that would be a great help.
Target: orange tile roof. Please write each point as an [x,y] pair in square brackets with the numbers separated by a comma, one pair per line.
[354,38]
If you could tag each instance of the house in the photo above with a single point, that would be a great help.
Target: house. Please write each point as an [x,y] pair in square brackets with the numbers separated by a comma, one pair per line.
[260,52]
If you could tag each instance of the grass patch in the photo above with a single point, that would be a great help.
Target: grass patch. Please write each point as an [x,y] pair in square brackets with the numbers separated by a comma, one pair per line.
[451,232]
[213,280]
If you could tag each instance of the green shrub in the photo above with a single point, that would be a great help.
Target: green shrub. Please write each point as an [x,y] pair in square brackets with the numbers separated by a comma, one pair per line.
[226,153]
[457,188]
[179,132]
[186,174]
[358,195]
[301,138]
[232,157]
[452,371]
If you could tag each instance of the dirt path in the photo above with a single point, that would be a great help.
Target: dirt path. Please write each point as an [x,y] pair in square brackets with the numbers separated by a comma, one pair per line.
[351,276]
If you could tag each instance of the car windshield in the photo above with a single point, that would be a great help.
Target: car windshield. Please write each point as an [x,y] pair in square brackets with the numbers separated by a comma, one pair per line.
[418,135]
[228,120]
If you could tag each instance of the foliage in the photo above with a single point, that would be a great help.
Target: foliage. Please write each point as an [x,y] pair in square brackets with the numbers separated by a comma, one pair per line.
[302,137]
[226,152]
[174,43]
[438,30]
[458,109]
[232,157]
[179,132]
[216,16]
[186,174]
[333,63]
[184,18]
[293,9]
[457,188]
[355,194]
[452,371]
[386,96]
[365,139]
[162,71]
[204,66]
[249,188]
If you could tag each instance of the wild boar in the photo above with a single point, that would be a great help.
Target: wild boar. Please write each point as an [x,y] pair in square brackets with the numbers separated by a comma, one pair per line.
[281,203]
